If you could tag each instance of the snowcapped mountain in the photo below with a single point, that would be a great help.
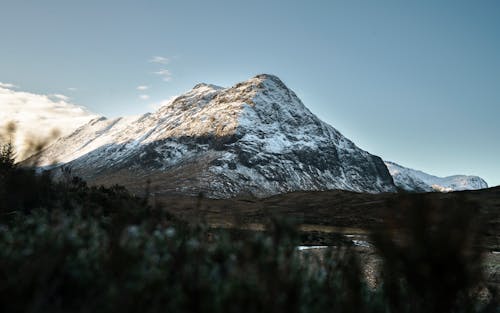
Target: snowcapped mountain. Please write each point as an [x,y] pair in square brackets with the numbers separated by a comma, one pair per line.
[413,180]
[253,138]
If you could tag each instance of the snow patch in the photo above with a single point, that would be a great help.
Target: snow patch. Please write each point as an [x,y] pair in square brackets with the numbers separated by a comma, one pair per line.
[414,180]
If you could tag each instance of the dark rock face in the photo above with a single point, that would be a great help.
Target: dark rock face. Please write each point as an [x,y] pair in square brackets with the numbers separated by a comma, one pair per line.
[254,138]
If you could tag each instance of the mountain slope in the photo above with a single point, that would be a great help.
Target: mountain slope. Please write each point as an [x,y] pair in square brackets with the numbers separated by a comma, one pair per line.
[414,180]
[253,138]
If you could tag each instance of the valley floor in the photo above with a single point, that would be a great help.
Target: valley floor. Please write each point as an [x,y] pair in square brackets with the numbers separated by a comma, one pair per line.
[344,212]
[324,218]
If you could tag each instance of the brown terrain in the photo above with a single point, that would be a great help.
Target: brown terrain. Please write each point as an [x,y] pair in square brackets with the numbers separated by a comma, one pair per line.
[335,211]
[325,217]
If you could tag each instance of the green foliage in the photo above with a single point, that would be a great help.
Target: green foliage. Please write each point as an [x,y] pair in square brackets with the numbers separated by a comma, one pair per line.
[6,157]
[67,262]
[23,189]
[69,247]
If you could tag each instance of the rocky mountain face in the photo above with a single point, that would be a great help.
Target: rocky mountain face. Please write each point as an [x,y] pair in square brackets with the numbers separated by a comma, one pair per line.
[413,180]
[255,138]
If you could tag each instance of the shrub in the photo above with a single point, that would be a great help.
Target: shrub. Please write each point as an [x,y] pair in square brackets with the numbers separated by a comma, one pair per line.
[69,247]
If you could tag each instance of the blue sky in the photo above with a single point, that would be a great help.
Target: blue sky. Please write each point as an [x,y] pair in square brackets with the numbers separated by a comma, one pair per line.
[414,82]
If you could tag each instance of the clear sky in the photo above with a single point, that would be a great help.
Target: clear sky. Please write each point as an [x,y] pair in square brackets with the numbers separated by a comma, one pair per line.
[415,82]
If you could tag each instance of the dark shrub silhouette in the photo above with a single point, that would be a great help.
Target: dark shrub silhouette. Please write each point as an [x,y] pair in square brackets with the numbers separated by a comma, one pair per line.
[432,259]
[69,247]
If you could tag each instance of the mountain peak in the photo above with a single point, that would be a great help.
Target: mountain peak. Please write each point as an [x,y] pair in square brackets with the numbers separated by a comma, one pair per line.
[265,81]
[206,86]
[255,137]
[265,76]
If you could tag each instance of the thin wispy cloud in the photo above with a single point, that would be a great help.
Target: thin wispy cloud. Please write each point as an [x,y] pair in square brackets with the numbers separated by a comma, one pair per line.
[72,89]
[60,97]
[142,87]
[159,60]
[144,97]
[8,86]
[165,74]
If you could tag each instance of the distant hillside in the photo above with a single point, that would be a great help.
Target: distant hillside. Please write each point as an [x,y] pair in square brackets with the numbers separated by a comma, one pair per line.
[414,180]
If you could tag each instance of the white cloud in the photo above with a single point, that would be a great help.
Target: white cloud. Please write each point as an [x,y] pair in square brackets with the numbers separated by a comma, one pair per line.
[37,116]
[144,97]
[159,60]
[142,87]
[72,89]
[7,85]
[60,97]
[165,74]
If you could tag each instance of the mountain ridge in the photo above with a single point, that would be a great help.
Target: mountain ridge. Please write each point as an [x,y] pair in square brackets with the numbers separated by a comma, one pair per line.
[415,180]
[255,137]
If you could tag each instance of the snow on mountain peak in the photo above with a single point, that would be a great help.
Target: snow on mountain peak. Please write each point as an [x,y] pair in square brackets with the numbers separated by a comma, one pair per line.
[255,137]
[207,86]
[269,79]
[414,180]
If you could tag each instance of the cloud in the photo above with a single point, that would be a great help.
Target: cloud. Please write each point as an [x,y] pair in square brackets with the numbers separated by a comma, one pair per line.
[144,97]
[36,116]
[7,86]
[165,74]
[159,60]
[59,97]
[142,87]
[72,89]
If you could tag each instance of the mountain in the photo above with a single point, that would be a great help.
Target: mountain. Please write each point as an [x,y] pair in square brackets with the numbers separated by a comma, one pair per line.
[255,138]
[414,180]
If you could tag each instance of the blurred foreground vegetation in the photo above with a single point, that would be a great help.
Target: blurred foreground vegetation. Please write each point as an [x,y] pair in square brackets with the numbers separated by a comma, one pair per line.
[69,247]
